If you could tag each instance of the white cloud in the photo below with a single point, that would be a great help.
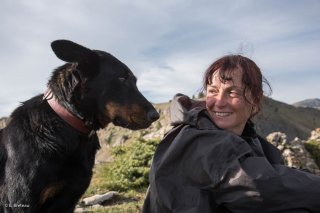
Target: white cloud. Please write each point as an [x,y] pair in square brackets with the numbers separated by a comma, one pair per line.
[167,44]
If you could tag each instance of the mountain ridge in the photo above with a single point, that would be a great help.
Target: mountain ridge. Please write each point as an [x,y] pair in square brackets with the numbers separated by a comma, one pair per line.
[294,121]
[275,116]
[312,103]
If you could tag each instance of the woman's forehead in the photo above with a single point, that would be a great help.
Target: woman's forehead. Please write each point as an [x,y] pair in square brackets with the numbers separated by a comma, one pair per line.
[233,77]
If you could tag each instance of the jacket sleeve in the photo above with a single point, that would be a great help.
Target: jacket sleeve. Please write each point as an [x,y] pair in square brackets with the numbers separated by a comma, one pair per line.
[243,182]
[252,184]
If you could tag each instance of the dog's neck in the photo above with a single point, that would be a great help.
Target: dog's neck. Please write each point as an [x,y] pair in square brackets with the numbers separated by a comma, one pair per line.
[64,114]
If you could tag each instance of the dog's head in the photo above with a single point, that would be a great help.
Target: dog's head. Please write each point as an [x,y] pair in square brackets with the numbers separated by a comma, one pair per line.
[99,88]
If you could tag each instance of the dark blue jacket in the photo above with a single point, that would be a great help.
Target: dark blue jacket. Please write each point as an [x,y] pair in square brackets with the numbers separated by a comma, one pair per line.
[199,168]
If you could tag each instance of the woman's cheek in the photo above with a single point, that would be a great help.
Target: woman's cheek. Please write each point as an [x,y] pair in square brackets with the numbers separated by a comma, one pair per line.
[209,102]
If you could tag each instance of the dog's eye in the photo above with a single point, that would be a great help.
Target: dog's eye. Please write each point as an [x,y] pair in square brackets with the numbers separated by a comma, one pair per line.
[122,79]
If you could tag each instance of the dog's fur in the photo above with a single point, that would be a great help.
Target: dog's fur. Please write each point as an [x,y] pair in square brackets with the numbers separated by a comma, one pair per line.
[45,161]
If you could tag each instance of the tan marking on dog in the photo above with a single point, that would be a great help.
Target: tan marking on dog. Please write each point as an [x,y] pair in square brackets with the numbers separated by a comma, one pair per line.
[132,113]
[113,109]
[137,114]
[50,191]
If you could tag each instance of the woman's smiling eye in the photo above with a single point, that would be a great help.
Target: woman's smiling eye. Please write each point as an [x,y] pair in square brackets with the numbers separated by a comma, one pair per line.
[235,93]
[212,91]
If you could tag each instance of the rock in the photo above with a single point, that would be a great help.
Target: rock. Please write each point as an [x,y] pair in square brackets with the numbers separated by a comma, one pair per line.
[3,122]
[278,139]
[79,210]
[158,134]
[294,152]
[315,135]
[98,199]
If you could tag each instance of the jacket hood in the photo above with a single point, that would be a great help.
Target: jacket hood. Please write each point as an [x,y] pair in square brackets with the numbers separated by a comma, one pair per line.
[184,110]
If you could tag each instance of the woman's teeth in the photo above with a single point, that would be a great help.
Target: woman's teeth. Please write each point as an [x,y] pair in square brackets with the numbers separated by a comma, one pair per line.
[222,114]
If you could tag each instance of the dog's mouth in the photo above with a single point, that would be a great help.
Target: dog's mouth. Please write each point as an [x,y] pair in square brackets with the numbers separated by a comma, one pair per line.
[133,124]
[118,121]
[132,117]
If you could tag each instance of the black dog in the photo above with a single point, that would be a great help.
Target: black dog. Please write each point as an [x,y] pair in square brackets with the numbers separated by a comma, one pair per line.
[48,148]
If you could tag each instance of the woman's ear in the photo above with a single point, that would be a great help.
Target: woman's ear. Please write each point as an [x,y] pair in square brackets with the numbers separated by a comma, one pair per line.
[254,110]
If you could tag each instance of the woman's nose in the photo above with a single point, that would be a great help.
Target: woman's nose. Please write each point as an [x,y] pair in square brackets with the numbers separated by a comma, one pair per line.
[218,100]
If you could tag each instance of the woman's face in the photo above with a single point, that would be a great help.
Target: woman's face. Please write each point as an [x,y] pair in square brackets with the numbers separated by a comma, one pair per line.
[226,103]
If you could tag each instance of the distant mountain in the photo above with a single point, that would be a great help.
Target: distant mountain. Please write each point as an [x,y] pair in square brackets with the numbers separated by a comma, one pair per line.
[313,103]
[293,121]
[274,117]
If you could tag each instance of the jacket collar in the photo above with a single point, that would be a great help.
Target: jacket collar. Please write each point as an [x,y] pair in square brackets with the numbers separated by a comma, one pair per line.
[249,130]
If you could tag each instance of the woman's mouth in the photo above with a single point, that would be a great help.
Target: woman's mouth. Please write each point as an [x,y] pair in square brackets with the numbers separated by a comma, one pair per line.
[222,114]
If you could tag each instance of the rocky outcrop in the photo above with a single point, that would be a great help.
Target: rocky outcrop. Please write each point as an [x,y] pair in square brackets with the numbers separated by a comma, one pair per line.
[294,152]
[3,122]
[315,135]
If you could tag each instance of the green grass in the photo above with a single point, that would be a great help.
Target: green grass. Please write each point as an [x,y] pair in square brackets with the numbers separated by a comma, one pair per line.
[314,149]
[127,174]
[126,201]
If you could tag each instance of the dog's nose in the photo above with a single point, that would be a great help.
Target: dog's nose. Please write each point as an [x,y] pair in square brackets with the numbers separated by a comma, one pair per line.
[153,115]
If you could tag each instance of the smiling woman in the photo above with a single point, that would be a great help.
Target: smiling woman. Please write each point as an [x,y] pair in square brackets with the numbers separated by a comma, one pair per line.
[233,92]
[213,160]
[226,103]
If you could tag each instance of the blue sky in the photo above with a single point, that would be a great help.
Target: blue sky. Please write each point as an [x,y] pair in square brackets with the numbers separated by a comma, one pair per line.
[168,44]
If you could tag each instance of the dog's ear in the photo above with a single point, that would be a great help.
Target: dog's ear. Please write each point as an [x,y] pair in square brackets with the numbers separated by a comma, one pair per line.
[69,51]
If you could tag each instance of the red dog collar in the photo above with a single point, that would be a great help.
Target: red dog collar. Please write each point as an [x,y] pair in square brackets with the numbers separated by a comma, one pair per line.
[64,114]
